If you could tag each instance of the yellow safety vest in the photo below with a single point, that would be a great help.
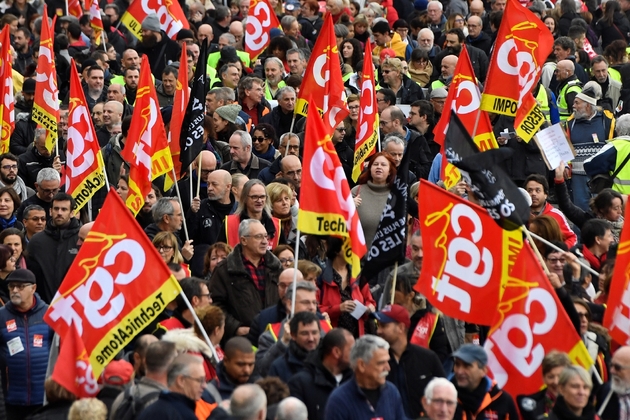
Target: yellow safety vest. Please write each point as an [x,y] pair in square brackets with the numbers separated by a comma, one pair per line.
[621,182]
[543,102]
[563,107]
[268,95]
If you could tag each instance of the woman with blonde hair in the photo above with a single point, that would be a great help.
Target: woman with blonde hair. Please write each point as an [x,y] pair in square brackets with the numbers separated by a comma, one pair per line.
[280,196]
[168,247]
[88,409]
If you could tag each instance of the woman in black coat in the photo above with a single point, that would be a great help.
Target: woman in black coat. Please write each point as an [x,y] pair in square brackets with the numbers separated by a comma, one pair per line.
[574,387]
[613,25]
[568,14]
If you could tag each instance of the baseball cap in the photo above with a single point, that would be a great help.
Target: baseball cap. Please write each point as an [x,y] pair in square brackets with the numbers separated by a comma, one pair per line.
[393,313]
[118,372]
[471,353]
[291,5]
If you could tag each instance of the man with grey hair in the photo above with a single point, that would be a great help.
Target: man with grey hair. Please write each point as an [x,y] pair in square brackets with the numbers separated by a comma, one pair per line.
[168,217]
[440,399]
[291,409]
[476,36]
[186,379]
[613,157]
[218,97]
[248,402]
[251,96]
[282,116]
[426,39]
[274,73]
[291,28]
[46,186]
[37,157]
[437,20]
[296,60]
[243,160]
[369,394]
[246,282]
[395,146]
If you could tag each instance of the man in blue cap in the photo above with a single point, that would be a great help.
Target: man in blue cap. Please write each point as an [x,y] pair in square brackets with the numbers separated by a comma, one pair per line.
[478,395]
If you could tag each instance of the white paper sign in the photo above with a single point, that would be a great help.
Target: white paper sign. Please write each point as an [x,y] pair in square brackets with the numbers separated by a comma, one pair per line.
[359,309]
[555,146]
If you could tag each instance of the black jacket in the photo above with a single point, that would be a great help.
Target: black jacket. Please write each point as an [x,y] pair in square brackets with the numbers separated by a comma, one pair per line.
[575,214]
[533,406]
[280,121]
[411,374]
[419,155]
[170,406]
[611,411]
[160,54]
[290,363]
[234,291]
[252,170]
[23,135]
[409,92]
[314,384]
[346,157]
[50,254]
[31,162]
[618,30]
[205,225]
[478,58]
[564,23]
[500,405]
[483,42]
[224,384]
[52,411]
[560,411]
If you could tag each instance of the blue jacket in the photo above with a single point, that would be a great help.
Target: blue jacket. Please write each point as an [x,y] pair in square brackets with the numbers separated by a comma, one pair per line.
[348,402]
[284,367]
[24,372]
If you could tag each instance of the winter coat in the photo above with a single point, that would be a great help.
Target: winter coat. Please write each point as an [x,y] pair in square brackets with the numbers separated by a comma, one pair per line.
[224,384]
[564,23]
[140,389]
[489,399]
[419,154]
[50,254]
[609,33]
[170,406]
[287,365]
[270,315]
[560,411]
[478,58]
[314,384]
[24,133]
[24,372]
[205,225]
[236,294]
[252,170]
[52,411]
[409,91]
[348,402]
[31,162]
[160,54]
[186,341]
[575,214]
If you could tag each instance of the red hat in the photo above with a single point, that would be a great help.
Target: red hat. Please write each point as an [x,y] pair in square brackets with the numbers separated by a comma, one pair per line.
[393,313]
[387,53]
[117,372]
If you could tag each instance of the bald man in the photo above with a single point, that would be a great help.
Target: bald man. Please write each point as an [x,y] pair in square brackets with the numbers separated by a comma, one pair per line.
[205,216]
[208,165]
[447,70]
[236,29]
[112,117]
[205,31]
[291,168]
[568,87]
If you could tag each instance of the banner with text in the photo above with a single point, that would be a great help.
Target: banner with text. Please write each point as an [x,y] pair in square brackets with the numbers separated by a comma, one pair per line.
[169,12]
[260,20]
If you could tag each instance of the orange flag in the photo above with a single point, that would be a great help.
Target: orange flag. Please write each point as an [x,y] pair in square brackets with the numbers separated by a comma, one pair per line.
[467,256]
[617,316]
[74,8]
[368,117]
[260,20]
[322,81]
[463,97]
[73,370]
[326,205]
[148,151]
[522,46]
[117,285]
[7,112]
[46,101]
[170,13]
[96,22]
[84,173]
[529,322]
[180,102]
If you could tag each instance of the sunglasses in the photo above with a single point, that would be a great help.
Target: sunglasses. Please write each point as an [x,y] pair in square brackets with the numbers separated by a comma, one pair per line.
[258,139]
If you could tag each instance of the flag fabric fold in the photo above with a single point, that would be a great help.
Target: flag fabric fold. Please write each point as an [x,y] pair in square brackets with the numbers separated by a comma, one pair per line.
[46,101]
[72,369]
[96,22]
[147,152]
[7,101]
[368,122]
[84,173]
[75,8]
[116,286]
[191,137]
[171,15]
[260,20]
[522,46]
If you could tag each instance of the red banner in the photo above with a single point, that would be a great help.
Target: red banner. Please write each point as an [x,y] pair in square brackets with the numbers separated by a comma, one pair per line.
[617,316]
[73,370]
[117,285]
[522,47]
[148,153]
[529,323]
[326,204]
[96,22]
[180,102]
[260,20]
[170,13]
[46,101]
[467,256]
[7,112]
[84,174]
[368,117]
[464,97]
[74,8]
[322,80]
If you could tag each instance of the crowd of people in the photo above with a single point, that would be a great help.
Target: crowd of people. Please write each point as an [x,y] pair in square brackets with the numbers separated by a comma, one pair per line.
[284,331]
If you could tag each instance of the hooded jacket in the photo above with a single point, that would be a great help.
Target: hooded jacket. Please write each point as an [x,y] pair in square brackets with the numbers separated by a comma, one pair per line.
[186,341]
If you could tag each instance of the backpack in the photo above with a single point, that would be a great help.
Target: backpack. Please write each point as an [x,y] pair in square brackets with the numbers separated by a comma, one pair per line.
[131,406]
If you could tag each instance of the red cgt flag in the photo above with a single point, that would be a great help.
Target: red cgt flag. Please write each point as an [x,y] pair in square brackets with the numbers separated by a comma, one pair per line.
[73,370]
[96,22]
[322,81]
[467,256]
[84,174]
[522,46]
[7,111]
[180,102]
[368,117]
[326,205]
[529,323]
[463,97]
[170,13]
[46,101]
[148,153]
[260,20]
[117,285]
[617,316]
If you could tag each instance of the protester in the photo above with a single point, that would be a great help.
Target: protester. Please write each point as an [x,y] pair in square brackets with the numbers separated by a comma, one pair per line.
[574,387]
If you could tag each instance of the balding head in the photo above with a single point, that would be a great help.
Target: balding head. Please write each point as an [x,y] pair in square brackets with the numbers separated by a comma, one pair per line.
[219,186]
[236,29]
[477,8]
[205,31]
[564,69]
[475,25]
[292,168]
[208,163]
[83,232]
[112,114]
[620,371]
[448,66]
[287,275]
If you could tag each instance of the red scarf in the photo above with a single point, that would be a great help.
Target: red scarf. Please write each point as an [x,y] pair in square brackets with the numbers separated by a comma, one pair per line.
[595,262]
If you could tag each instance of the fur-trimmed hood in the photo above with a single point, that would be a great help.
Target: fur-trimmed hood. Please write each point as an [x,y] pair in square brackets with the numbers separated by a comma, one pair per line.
[185,340]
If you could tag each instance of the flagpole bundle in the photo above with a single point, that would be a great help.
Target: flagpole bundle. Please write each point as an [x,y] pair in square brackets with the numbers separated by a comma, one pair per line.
[198,177]
[536,251]
[179,198]
[295,270]
[549,244]
[394,283]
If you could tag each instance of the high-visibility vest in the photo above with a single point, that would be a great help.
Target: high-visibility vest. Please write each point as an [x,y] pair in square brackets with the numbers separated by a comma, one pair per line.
[621,182]
[231,230]
[268,95]
[213,59]
[614,74]
[563,107]
[543,102]
[438,84]
[424,330]
[276,329]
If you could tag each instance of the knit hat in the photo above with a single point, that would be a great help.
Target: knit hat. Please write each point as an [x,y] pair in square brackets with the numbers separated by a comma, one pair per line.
[229,112]
[21,275]
[421,5]
[591,93]
[228,54]
[151,23]
[438,93]
[184,34]
[88,63]
[274,33]
[29,86]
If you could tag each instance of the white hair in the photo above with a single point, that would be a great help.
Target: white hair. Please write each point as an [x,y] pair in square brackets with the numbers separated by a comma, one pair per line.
[623,125]
[291,408]
[364,348]
[439,4]
[436,382]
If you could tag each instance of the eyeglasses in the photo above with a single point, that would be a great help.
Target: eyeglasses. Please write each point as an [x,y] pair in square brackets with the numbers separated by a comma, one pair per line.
[618,367]
[37,219]
[258,237]
[387,71]
[49,191]
[583,315]
[291,147]
[19,286]
[206,171]
[258,139]
[200,381]
[448,403]
[341,130]
[207,295]
[556,260]
[383,122]
[163,248]
[459,20]
[9,167]
[472,25]
[257,197]
[353,108]
[380,100]
[286,260]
